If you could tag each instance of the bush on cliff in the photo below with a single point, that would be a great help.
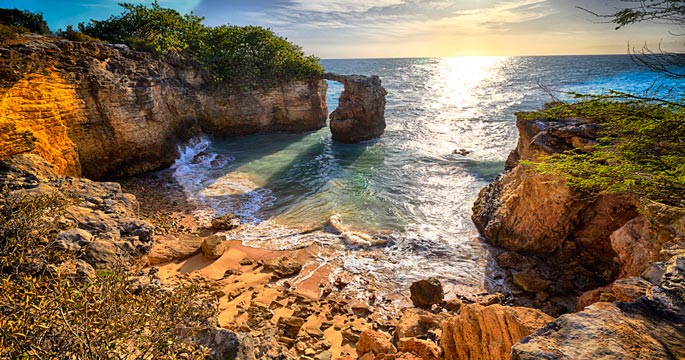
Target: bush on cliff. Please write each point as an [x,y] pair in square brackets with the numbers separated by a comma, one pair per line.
[640,149]
[50,312]
[25,20]
[241,57]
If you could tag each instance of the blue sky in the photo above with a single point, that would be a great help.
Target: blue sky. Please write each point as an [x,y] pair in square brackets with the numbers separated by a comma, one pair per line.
[401,28]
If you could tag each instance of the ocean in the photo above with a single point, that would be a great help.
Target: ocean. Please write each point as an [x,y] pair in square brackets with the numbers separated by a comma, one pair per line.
[450,127]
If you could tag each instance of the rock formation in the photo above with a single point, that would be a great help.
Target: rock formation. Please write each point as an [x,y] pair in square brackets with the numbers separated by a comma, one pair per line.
[360,114]
[560,242]
[105,111]
[568,232]
[652,327]
[101,225]
[488,332]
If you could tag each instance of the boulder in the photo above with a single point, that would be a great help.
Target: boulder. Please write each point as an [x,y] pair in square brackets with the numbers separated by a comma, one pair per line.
[425,293]
[531,281]
[371,341]
[360,114]
[225,222]
[226,345]
[482,333]
[213,247]
[174,247]
[282,267]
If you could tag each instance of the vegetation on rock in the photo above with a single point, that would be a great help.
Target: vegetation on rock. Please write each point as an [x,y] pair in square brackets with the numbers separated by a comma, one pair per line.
[244,57]
[639,150]
[48,309]
[14,22]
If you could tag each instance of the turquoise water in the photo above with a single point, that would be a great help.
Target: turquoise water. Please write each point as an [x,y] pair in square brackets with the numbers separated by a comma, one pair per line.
[409,186]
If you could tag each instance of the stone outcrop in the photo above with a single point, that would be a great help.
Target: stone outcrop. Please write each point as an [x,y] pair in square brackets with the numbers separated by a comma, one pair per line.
[653,327]
[560,243]
[360,115]
[488,332]
[100,225]
[105,111]
[560,235]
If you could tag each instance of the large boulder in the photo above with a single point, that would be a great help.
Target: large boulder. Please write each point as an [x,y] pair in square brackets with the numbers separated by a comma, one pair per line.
[360,114]
[488,332]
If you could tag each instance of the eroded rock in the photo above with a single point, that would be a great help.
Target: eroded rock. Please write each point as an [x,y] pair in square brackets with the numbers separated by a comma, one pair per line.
[480,332]
[652,327]
[213,247]
[360,114]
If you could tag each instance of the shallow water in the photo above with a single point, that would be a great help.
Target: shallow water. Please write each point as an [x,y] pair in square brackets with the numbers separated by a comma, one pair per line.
[410,186]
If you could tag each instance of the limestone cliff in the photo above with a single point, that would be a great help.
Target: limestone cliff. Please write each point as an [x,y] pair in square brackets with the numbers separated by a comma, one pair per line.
[105,111]
[576,241]
[564,249]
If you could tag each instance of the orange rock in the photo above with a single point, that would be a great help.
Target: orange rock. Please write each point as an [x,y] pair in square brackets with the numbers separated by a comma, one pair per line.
[482,333]
[416,322]
[424,349]
[374,342]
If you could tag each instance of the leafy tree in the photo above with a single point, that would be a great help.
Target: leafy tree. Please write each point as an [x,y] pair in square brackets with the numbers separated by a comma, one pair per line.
[640,149]
[31,22]
[155,29]
[238,57]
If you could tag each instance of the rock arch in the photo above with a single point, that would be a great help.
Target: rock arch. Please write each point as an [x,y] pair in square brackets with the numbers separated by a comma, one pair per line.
[360,114]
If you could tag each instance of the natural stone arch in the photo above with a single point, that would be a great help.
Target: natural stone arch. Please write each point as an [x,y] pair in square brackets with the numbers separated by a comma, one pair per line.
[360,114]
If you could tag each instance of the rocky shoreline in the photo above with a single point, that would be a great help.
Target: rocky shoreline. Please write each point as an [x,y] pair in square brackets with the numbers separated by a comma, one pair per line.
[590,275]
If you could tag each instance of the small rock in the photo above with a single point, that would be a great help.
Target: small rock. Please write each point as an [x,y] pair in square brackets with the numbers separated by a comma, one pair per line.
[531,281]
[425,293]
[212,247]
[76,236]
[418,322]
[246,261]
[375,342]
[325,355]
[453,305]
[654,273]
[225,222]
[515,261]
[492,299]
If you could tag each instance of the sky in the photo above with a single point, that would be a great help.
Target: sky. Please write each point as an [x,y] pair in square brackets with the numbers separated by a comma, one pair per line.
[403,28]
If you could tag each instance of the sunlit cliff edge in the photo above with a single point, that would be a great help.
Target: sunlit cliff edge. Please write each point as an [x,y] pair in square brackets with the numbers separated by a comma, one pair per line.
[104,111]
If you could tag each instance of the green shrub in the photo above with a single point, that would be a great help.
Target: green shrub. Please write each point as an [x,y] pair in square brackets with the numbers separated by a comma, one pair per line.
[640,149]
[8,33]
[32,22]
[74,35]
[236,57]
[48,312]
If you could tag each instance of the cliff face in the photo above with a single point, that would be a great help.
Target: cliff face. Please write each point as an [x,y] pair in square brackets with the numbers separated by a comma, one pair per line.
[566,250]
[559,242]
[107,111]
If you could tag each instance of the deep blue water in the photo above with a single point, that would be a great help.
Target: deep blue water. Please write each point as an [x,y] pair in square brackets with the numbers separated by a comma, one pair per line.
[410,183]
